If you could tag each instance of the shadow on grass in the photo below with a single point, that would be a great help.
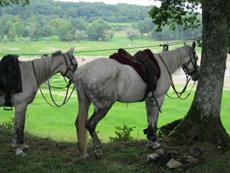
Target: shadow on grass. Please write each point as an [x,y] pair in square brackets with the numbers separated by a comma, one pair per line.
[52,156]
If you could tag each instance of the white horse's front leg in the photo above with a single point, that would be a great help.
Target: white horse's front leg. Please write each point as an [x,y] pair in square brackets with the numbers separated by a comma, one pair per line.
[18,142]
[152,116]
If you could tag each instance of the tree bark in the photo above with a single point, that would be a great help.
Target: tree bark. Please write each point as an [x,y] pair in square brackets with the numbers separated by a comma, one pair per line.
[202,121]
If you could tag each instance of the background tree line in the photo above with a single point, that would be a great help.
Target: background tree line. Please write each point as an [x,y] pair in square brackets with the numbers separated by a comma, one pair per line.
[88,11]
[68,20]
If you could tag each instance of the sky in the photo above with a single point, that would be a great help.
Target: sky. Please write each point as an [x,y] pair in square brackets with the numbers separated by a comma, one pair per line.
[137,2]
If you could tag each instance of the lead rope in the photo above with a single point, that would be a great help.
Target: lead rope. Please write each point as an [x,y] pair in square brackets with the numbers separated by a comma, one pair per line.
[56,105]
[66,96]
[173,86]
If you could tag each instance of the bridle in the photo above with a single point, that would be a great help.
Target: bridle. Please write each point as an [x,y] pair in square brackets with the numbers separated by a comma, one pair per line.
[192,60]
[70,67]
[188,74]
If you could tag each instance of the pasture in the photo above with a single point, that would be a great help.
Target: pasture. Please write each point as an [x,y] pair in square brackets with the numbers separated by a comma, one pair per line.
[51,133]
[58,123]
[84,48]
[52,138]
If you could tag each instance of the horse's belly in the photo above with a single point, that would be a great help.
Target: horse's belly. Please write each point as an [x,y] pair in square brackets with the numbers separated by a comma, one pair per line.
[130,88]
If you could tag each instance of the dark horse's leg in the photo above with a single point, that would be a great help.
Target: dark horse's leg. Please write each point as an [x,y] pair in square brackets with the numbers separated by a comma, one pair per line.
[19,124]
[91,126]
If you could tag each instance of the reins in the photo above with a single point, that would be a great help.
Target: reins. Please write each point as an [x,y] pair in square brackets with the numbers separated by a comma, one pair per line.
[173,86]
[51,95]
[66,99]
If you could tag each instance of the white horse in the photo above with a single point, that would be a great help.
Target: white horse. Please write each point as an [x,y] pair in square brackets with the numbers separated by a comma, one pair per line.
[33,74]
[104,81]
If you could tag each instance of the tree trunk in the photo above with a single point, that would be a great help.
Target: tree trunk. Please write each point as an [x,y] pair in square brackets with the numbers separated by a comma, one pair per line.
[202,121]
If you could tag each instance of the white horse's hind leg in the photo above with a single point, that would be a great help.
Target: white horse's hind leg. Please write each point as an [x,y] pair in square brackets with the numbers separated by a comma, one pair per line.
[152,115]
[91,126]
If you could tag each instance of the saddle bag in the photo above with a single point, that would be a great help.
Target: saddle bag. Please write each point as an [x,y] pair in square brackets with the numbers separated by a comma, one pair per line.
[8,76]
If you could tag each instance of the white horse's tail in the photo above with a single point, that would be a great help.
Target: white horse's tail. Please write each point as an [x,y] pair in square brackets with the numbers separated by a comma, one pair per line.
[83,107]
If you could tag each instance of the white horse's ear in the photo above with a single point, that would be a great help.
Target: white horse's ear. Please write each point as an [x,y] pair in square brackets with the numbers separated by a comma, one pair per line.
[194,45]
[71,50]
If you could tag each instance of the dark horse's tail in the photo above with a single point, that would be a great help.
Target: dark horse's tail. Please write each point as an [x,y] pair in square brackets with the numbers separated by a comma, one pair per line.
[83,107]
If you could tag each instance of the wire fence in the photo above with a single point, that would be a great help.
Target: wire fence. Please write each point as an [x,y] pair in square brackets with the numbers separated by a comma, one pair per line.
[171,43]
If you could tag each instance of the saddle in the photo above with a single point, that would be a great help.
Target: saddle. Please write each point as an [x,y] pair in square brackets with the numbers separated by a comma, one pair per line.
[145,65]
[10,78]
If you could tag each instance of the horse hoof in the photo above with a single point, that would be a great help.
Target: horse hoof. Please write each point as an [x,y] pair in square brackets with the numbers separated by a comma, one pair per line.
[98,154]
[85,156]
[19,152]
[25,148]
[155,145]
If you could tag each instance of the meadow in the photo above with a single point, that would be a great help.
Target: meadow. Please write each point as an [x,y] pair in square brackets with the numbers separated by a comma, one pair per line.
[86,48]
[58,123]
[51,133]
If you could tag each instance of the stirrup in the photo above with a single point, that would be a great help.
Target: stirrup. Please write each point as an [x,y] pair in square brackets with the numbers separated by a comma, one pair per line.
[8,104]
[8,109]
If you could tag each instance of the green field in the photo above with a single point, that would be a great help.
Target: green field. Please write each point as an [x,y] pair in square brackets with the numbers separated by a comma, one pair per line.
[58,123]
[88,48]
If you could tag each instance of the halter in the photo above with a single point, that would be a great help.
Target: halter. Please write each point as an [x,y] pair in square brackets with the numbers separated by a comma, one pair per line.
[188,78]
[191,60]
[71,66]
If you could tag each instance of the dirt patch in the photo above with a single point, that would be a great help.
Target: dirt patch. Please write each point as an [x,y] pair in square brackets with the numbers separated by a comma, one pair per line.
[13,48]
[9,48]
[77,48]
[139,47]
[85,59]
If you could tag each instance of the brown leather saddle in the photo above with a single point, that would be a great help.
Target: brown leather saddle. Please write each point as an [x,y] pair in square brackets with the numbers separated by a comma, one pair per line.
[145,65]
[10,78]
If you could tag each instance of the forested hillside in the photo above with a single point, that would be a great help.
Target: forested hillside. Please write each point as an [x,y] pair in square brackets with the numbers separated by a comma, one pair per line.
[80,21]
[88,11]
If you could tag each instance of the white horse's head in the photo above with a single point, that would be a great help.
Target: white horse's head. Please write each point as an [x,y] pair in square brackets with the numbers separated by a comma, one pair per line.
[190,66]
[70,65]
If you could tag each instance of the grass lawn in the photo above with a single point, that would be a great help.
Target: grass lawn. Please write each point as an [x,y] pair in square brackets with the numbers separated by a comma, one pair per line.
[58,123]
[85,48]
[45,121]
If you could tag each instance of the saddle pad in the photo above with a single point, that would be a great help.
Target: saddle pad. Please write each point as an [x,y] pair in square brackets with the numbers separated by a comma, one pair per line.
[134,65]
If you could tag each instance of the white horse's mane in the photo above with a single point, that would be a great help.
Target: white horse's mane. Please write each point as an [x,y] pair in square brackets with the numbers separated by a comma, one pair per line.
[176,56]
[42,69]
